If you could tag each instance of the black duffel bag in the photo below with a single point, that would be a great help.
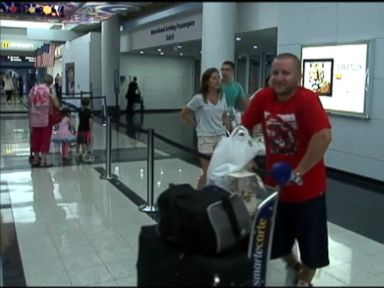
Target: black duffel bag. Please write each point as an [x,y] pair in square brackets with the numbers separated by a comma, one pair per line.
[160,264]
[210,220]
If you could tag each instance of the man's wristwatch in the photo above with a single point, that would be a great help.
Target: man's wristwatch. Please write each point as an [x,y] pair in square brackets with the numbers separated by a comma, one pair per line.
[296,178]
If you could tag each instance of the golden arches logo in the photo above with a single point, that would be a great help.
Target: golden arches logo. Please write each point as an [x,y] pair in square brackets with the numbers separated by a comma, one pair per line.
[6,44]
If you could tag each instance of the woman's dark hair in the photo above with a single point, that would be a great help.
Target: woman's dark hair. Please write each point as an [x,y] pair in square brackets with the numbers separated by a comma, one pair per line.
[204,84]
[48,79]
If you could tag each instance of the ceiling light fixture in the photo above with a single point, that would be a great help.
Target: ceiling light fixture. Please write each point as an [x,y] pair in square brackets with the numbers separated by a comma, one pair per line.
[161,53]
[25,24]
[238,38]
[181,54]
[255,46]
[141,52]
[158,49]
[179,46]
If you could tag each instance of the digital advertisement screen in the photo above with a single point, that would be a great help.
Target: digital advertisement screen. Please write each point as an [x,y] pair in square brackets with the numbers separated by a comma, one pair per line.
[339,74]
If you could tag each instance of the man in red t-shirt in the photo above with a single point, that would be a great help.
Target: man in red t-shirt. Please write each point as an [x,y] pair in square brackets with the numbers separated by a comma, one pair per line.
[297,131]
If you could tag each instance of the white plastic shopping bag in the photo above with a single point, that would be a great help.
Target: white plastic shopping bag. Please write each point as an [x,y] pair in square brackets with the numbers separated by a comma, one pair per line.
[232,154]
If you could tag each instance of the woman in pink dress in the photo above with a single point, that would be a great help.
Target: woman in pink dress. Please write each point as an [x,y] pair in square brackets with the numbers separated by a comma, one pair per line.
[40,104]
[65,133]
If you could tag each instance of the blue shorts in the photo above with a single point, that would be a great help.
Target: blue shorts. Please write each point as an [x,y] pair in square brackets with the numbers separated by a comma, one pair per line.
[307,223]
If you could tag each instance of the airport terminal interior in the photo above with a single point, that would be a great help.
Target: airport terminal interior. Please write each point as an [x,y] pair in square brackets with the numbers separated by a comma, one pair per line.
[77,222]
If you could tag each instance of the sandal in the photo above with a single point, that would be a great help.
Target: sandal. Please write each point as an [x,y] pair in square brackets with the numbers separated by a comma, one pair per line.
[45,165]
[35,164]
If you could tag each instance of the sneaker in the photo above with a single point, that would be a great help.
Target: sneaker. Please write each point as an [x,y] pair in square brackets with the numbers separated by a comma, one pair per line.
[302,283]
[292,274]
[89,158]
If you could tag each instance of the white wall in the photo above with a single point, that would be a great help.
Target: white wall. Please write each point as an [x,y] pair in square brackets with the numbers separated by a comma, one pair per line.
[95,63]
[358,144]
[165,82]
[85,53]
[58,67]
[254,16]
[77,51]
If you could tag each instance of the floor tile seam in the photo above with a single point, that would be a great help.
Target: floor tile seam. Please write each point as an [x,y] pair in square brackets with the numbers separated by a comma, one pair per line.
[120,187]
[336,275]
[115,126]
[362,252]
[318,277]
[59,257]
[90,240]
[110,271]
[92,283]
[67,270]
[14,236]
[25,168]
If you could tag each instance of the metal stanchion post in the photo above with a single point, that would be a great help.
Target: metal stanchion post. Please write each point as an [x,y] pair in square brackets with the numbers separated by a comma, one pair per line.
[104,110]
[150,207]
[108,175]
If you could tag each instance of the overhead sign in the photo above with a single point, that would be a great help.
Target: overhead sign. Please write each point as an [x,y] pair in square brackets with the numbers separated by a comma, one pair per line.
[23,59]
[8,44]
[179,30]
[170,29]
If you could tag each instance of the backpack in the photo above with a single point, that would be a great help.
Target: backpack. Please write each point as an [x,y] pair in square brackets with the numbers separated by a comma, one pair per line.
[209,221]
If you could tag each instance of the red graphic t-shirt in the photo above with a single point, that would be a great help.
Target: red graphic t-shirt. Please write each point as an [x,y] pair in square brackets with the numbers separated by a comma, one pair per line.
[288,127]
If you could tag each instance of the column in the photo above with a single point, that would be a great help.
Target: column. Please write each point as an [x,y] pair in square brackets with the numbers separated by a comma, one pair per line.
[218,35]
[247,71]
[110,60]
[262,70]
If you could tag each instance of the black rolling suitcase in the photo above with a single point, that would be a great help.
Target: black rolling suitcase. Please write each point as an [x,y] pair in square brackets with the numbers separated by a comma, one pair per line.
[160,264]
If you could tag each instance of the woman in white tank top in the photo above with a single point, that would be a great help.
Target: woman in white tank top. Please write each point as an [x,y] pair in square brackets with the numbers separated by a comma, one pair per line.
[206,112]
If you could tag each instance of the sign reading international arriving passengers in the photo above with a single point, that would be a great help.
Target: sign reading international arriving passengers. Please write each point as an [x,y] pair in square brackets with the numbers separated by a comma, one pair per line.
[178,30]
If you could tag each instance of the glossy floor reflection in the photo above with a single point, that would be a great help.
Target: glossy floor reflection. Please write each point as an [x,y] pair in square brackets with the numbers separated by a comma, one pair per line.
[75,229]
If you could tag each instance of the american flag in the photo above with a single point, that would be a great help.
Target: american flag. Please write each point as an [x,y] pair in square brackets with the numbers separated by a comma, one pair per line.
[45,55]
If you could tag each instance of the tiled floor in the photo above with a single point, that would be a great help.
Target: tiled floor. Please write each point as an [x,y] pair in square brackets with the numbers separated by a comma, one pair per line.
[75,229]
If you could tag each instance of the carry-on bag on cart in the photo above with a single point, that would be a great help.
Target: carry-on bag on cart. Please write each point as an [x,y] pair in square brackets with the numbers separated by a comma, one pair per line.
[232,154]
[209,221]
[161,264]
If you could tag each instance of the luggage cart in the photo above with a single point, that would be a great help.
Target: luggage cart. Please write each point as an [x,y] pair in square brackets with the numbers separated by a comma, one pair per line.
[261,201]
[260,238]
[160,264]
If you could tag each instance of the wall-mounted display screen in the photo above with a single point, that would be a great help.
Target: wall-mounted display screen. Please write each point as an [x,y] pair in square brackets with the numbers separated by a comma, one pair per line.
[340,75]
